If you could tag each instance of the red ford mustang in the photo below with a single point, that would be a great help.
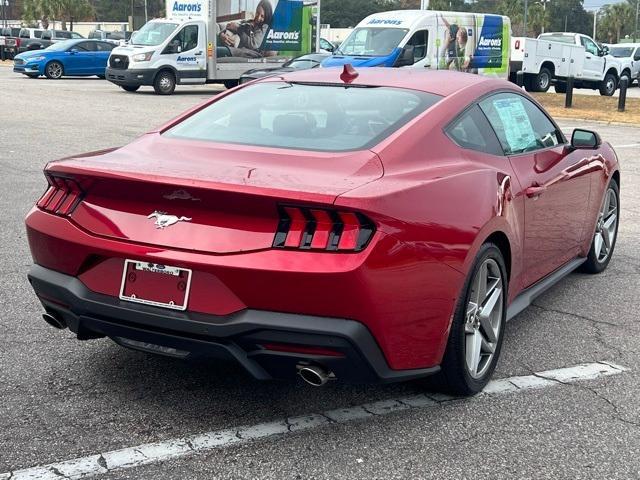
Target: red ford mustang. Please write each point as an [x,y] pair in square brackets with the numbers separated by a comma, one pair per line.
[369,226]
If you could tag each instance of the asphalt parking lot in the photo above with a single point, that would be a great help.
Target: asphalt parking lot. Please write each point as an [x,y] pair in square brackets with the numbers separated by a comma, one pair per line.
[62,399]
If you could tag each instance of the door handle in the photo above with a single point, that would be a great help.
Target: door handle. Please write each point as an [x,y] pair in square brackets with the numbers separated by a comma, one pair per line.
[198,53]
[535,190]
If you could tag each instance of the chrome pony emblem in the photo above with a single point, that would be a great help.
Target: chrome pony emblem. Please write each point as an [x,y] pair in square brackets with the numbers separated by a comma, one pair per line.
[163,220]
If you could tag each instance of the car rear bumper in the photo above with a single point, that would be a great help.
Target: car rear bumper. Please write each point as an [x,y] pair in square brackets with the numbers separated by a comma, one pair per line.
[127,77]
[267,344]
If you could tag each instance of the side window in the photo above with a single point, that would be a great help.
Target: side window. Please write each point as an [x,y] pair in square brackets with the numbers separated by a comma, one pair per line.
[85,46]
[104,46]
[185,40]
[419,40]
[472,131]
[519,124]
[589,45]
[636,57]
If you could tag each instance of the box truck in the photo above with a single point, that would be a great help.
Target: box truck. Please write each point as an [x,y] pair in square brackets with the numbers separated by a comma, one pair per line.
[211,41]
[468,42]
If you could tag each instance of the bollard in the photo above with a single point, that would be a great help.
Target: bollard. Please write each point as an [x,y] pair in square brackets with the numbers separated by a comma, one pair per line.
[568,99]
[520,78]
[622,99]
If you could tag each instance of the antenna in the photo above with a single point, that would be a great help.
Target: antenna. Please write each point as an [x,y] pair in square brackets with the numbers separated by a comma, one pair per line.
[349,74]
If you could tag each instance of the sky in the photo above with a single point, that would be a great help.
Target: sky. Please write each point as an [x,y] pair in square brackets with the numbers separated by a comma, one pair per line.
[595,4]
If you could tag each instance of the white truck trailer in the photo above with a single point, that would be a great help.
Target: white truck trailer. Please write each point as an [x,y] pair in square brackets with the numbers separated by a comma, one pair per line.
[554,57]
[211,41]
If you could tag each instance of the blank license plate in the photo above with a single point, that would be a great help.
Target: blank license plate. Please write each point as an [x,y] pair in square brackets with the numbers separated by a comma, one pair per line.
[155,284]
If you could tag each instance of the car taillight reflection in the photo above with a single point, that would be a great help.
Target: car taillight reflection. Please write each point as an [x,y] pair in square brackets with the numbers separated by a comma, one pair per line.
[306,228]
[62,196]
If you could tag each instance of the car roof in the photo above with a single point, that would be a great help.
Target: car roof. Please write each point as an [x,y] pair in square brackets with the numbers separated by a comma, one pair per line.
[439,82]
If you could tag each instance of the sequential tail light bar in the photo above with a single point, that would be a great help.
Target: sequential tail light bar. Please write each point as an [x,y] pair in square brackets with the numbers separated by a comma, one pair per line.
[307,228]
[62,196]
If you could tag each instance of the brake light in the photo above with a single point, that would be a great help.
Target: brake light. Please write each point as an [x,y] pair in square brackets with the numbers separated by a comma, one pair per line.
[62,196]
[517,44]
[322,229]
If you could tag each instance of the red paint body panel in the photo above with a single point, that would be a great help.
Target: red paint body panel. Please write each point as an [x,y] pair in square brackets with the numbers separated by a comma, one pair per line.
[433,205]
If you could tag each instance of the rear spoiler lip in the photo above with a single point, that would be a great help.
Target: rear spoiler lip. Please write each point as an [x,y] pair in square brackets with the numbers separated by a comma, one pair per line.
[188,183]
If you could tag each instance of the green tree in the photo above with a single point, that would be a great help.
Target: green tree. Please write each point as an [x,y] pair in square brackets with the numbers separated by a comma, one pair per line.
[615,21]
[64,10]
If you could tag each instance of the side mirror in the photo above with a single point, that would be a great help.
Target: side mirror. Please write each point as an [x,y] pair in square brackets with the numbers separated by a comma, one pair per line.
[406,57]
[585,139]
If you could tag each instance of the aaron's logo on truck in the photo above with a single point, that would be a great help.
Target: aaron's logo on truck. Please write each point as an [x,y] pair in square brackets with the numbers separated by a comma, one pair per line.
[285,30]
[180,7]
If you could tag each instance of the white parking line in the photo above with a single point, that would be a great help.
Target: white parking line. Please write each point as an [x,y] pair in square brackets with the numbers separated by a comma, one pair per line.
[181,447]
[631,145]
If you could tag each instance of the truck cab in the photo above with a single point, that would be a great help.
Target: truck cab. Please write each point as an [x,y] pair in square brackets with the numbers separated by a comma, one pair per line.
[470,42]
[163,53]
[599,69]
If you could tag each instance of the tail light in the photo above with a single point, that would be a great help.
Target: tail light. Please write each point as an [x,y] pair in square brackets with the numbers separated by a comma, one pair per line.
[18,42]
[307,228]
[62,196]
[517,45]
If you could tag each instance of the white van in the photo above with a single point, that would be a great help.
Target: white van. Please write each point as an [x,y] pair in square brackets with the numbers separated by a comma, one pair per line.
[469,42]
[207,41]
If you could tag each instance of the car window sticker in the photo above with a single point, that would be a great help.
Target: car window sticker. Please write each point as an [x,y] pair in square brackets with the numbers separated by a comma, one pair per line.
[518,130]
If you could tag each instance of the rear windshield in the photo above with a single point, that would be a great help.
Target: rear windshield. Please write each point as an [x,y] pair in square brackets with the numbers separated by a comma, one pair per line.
[305,117]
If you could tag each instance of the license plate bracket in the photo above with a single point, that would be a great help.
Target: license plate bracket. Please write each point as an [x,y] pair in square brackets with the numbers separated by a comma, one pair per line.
[155,284]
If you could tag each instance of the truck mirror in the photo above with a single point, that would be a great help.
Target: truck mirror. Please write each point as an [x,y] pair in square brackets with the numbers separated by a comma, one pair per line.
[406,57]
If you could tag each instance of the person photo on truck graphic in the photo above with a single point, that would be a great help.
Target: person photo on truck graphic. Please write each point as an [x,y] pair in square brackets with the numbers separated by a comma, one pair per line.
[455,47]
[243,39]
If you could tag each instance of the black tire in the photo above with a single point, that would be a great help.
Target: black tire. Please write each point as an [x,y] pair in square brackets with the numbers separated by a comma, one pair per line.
[593,264]
[100,77]
[130,88]
[455,376]
[54,70]
[542,81]
[230,83]
[608,85]
[560,87]
[165,82]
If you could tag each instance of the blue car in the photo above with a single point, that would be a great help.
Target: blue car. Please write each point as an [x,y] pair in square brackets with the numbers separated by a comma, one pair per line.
[78,57]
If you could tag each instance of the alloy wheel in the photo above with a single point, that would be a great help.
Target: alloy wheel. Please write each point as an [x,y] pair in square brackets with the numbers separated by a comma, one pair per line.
[55,70]
[606,227]
[483,318]
[543,81]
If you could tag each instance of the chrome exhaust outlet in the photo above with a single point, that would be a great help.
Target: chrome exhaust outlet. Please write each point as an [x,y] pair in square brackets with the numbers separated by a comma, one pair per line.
[54,321]
[315,375]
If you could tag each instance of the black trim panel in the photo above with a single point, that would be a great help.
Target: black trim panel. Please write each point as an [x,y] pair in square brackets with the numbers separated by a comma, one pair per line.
[526,297]
[237,336]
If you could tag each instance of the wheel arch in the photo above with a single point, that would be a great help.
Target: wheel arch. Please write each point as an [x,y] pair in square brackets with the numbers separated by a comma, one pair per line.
[616,176]
[165,68]
[500,240]
[548,64]
[613,71]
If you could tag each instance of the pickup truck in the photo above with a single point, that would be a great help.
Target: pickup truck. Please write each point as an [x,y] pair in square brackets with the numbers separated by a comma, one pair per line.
[554,57]
[628,54]
[48,37]
[9,42]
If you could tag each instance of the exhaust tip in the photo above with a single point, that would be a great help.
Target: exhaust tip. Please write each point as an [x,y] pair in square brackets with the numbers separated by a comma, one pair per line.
[314,375]
[54,321]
